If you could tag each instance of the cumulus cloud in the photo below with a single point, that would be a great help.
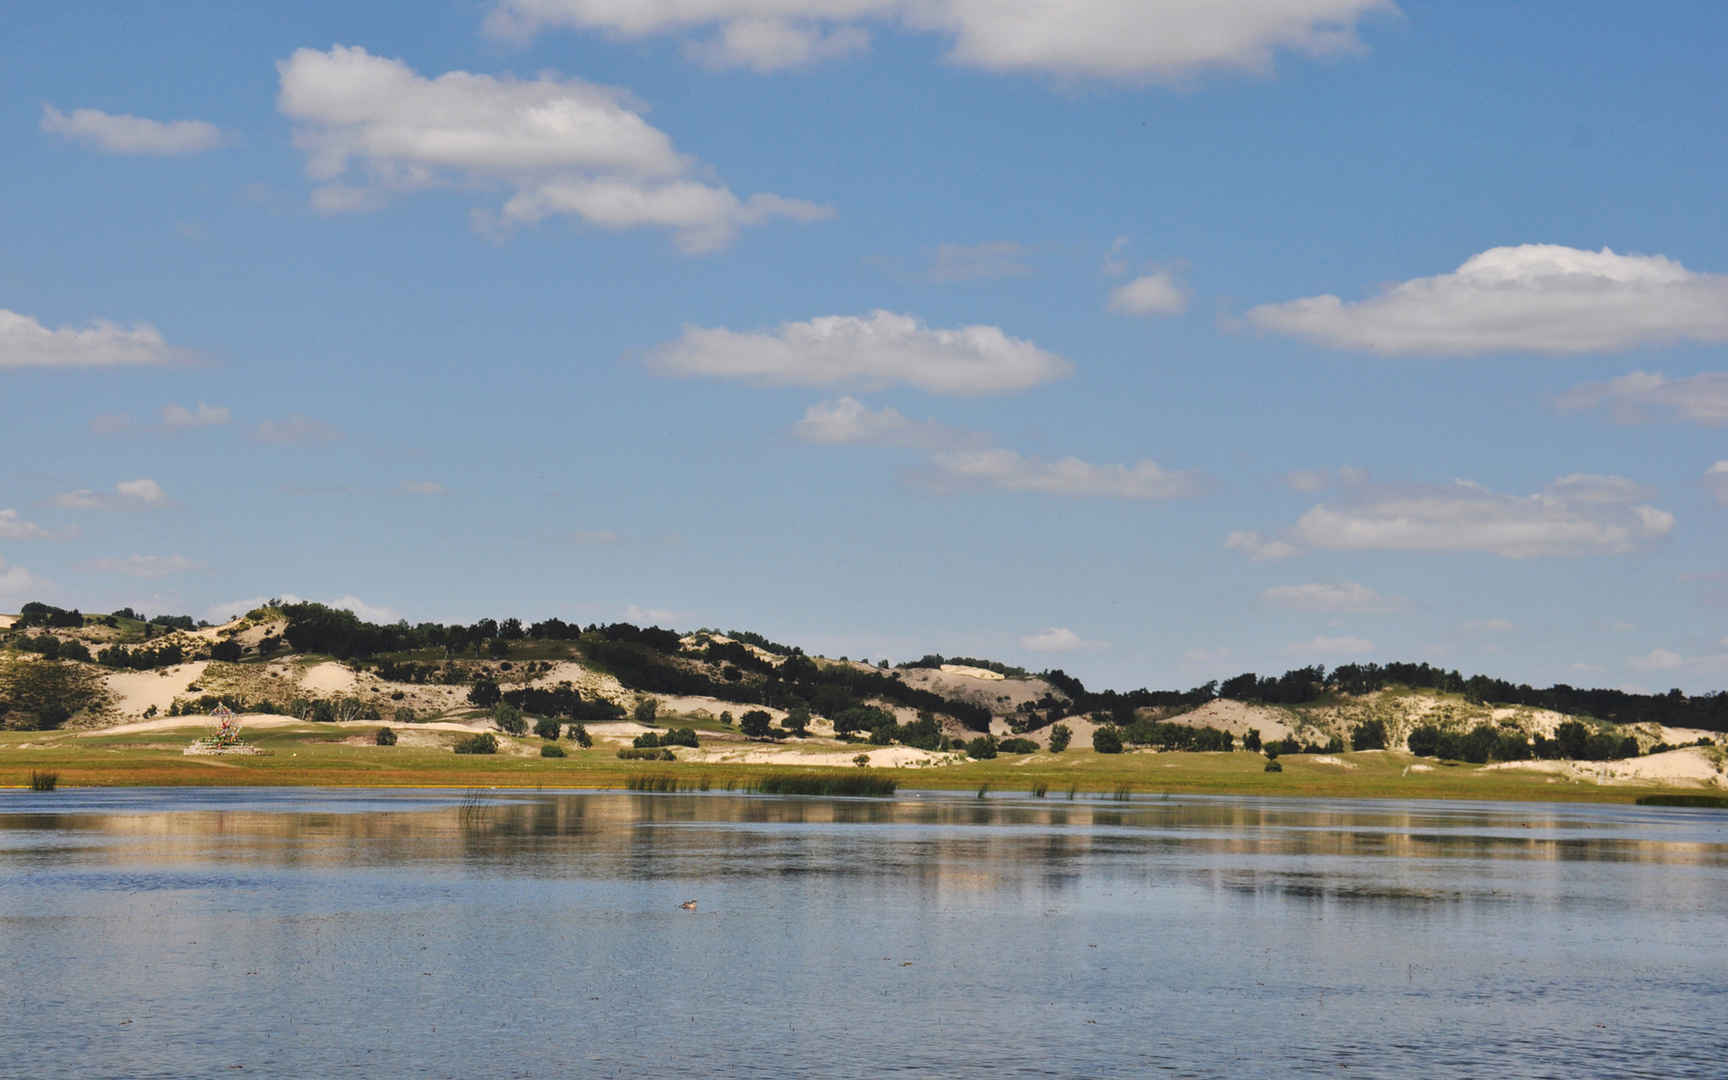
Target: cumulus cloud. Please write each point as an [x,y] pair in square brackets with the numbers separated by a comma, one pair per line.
[1311,480]
[26,343]
[1531,298]
[233,609]
[179,417]
[1126,40]
[16,582]
[1343,597]
[295,431]
[1640,396]
[1156,293]
[127,494]
[866,351]
[1057,639]
[372,127]
[1332,646]
[121,134]
[1574,516]
[14,527]
[848,420]
[1006,470]
[1257,547]
[146,566]
[764,45]
[642,615]
[1715,478]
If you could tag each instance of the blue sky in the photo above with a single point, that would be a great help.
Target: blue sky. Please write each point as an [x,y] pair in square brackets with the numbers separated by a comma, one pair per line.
[1153,340]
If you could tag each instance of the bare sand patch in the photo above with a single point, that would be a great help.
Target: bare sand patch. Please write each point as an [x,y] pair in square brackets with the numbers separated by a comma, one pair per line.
[1238,718]
[1328,759]
[880,757]
[132,693]
[329,678]
[970,672]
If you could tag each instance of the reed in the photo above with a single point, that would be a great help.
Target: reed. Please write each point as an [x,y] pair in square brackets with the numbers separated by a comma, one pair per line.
[1040,789]
[1716,802]
[1123,792]
[983,790]
[819,784]
[1073,790]
[43,781]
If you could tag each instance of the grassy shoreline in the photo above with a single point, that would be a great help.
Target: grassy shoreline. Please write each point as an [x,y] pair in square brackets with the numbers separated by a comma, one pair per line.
[322,756]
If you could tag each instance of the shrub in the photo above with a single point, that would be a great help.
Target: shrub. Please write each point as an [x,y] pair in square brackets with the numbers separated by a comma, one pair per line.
[1017,746]
[1368,735]
[1425,741]
[1273,766]
[551,749]
[1251,741]
[797,720]
[405,715]
[323,712]
[861,760]
[43,781]
[755,723]
[1107,740]
[983,747]
[484,693]
[642,753]
[1060,737]
[509,719]
[385,737]
[483,743]
[580,734]
[645,712]
[548,728]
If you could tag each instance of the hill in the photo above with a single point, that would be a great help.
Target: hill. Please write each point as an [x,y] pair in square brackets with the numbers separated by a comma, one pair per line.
[746,700]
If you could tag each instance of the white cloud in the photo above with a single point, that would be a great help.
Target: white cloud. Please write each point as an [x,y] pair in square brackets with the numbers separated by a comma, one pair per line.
[1127,40]
[764,45]
[1635,397]
[1489,626]
[1574,516]
[120,134]
[1332,646]
[1157,293]
[642,615]
[424,487]
[14,527]
[295,431]
[1206,657]
[951,263]
[868,351]
[1257,547]
[1344,597]
[179,416]
[1669,660]
[26,343]
[1005,470]
[126,494]
[372,127]
[16,582]
[1716,479]
[146,566]
[1658,660]
[848,420]
[1311,480]
[1057,639]
[1530,298]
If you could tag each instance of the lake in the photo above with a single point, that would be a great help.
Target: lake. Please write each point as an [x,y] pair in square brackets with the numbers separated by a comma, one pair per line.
[184,932]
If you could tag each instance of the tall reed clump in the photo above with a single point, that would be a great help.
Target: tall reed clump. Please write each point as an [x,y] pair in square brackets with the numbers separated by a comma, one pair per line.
[983,790]
[659,784]
[1073,790]
[43,781]
[819,784]
[1123,792]
[1040,789]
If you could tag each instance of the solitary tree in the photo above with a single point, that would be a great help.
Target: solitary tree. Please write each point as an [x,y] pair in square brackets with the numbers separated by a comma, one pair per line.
[1107,740]
[1060,736]
[755,723]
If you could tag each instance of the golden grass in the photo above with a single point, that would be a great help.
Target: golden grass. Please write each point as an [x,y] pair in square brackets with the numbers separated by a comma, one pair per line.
[316,755]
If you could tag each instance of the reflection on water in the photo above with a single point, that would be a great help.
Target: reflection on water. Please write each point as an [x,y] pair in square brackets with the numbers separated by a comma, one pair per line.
[168,933]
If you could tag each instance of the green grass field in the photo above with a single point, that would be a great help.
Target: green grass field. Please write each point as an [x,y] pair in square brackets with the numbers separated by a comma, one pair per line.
[314,754]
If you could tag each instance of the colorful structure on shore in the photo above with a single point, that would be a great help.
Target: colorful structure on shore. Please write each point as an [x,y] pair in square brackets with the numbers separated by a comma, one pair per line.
[227,738]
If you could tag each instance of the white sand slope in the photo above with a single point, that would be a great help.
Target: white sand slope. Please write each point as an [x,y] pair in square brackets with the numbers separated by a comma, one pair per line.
[131,693]
[1691,765]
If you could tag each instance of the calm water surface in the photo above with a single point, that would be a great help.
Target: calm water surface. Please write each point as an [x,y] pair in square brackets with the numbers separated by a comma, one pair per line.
[327,933]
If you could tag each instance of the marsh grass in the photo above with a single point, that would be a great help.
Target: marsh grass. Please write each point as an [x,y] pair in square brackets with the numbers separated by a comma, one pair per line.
[1715,802]
[1073,790]
[983,790]
[1040,789]
[1123,792]
[44,781]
